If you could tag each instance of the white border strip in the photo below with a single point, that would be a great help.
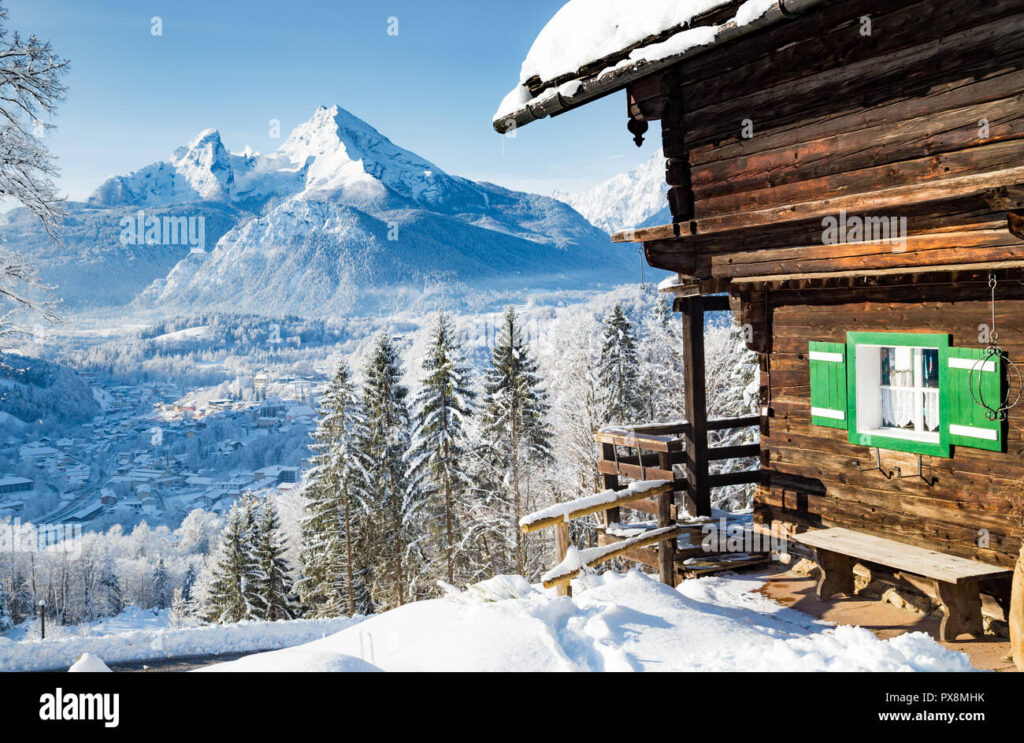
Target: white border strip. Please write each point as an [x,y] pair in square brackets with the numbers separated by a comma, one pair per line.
[973,432]
[976,364]
[827,356]
[839,415]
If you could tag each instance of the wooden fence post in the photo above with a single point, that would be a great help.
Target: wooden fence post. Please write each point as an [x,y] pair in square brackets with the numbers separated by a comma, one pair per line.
[561,547]
[666,548]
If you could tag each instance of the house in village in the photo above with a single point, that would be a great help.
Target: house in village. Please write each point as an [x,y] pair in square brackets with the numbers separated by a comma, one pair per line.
[847,176]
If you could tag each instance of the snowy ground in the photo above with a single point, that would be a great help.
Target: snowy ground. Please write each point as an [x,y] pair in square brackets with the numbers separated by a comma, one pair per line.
[620,623]
[141,635]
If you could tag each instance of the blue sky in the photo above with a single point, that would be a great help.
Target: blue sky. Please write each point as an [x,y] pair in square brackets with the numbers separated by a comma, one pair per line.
[134,97]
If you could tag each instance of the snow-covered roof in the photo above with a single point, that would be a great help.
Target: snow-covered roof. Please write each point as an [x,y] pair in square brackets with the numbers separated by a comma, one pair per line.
[591,48]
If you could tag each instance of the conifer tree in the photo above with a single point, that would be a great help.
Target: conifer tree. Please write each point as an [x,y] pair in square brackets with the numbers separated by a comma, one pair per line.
[160,585]
[112,596]
[619,370]
[180,609]
[6,621]
[444,402]
[661,353]
[515,408]
[188,584]
[389,491]
[333,553]
[273,585]
[234,572]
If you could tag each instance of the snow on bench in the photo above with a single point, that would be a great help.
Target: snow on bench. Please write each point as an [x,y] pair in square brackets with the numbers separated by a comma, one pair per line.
[574,509]
[576,559]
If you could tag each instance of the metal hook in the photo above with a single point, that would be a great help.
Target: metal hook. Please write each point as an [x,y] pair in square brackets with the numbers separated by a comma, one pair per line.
[878,465]
[920,472]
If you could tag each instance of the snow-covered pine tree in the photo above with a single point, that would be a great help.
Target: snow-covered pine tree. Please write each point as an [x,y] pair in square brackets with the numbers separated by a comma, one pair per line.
[515,411]
[395,537]
[188,584]
[180,610]
[274,599]
[111,595]
[6,621]
[619,370]
[160,586]
[333,552]
[443,404]
[661,360]
[234,571]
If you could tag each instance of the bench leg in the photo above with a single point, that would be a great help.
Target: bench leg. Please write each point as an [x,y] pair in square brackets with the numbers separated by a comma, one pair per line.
[961,608]
[836,574]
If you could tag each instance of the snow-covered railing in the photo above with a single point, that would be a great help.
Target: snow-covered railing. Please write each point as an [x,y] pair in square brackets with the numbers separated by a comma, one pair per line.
[575,561]
[574,509]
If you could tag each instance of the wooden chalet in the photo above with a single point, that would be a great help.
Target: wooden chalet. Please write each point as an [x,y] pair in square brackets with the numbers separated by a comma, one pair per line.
[848,177]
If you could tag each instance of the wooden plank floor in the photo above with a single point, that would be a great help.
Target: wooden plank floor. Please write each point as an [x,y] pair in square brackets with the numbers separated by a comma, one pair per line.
[796,591]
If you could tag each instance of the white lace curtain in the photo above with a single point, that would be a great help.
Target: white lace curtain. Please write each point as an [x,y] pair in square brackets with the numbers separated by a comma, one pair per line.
[898,408]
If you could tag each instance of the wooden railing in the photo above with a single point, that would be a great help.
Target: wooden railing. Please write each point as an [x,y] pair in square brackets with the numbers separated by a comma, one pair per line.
[647,456]
[650,452]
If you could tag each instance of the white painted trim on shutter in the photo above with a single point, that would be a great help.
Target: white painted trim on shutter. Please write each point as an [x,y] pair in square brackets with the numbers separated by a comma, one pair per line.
[973,432]
[839,415]
[988,366]
[836,358]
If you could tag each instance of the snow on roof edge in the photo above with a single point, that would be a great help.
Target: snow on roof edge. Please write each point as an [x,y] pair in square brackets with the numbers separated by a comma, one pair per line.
[519,107]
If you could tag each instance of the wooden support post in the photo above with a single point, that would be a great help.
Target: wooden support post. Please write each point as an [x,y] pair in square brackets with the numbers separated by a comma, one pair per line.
[698,496]
[836,574]
[561,547]
[666,548]
[961,609]
[610,482]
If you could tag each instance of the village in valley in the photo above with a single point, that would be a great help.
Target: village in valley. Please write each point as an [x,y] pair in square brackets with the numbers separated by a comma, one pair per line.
[132,461]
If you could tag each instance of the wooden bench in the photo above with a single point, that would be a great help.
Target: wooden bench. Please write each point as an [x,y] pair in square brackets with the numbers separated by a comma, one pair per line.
[952,580]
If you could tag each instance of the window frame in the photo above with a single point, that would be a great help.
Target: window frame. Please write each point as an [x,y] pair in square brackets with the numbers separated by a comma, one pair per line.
[940,341]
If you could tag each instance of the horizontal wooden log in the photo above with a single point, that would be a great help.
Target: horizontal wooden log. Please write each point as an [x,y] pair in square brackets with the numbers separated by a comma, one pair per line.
[643,555]
[626,497]
[658,535]
[734,478]
[740,451]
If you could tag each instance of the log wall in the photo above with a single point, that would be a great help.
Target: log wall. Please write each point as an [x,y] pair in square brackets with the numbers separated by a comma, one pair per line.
[887,124]
[811,478]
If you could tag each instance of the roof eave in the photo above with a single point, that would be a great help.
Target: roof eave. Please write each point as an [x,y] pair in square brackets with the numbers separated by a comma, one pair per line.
[551,102]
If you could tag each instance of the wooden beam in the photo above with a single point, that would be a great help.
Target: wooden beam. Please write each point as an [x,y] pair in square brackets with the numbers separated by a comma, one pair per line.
[649,442]
[644,555]
[699,492]
[666,548]
[561,547]
[1015,222]
[734,452]
[735,478]
[630,544]
[626,497]
[633,471]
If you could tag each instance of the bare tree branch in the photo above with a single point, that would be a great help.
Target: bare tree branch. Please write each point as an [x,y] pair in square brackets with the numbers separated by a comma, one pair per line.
[31,88]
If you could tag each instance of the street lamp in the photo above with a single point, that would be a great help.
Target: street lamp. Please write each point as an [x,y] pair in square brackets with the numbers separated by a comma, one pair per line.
[42,620]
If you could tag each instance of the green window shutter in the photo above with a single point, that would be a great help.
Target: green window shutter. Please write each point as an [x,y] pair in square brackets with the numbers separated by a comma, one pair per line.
[828,384]
[964,418]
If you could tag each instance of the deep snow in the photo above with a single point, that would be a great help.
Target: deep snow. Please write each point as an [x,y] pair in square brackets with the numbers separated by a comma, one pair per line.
[620,623]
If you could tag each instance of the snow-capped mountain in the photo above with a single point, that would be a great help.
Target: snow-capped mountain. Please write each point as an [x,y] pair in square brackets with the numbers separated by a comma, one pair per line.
[627,200]
[338,219]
